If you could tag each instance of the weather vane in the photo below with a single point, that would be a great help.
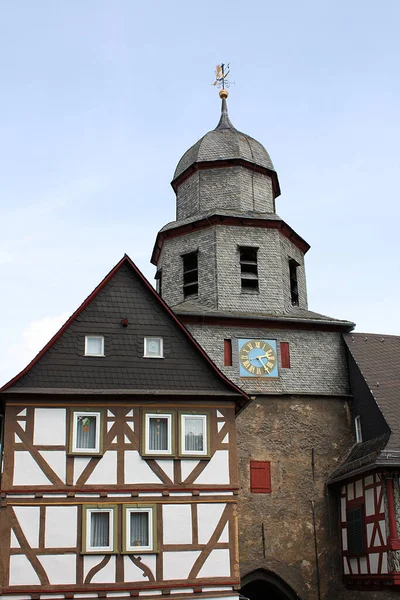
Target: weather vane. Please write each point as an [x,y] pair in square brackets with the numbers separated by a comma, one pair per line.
[221,80]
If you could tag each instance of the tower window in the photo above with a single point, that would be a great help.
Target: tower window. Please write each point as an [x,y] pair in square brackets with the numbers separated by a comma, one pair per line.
[248,269]
[190,274]
[158,278]
[357,427]
[294,288]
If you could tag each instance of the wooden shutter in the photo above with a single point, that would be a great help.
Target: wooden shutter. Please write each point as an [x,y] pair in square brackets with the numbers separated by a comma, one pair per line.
[260,477]
[355,530]
[285,355]
[228,353]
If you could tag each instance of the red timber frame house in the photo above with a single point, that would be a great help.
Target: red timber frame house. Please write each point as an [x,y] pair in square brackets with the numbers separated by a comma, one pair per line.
[119,467]
[368,479]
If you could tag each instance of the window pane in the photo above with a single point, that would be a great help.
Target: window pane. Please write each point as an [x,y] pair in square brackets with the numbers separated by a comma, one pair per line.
[139,529]
[194,434]
[153,347]
[99,529]
[94,345]
[86,431]
[158,433]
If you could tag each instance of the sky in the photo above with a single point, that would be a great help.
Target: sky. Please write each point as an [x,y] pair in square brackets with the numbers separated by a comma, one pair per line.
[99,100]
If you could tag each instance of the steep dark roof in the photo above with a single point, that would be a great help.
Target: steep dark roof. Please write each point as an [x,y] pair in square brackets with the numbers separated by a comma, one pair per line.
[123,294]
[374,369]
[222,143]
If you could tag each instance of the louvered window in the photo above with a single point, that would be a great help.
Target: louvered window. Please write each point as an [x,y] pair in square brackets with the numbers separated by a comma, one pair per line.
[248,269]
[260,477]
[294,288]
[355,530]
[190,274]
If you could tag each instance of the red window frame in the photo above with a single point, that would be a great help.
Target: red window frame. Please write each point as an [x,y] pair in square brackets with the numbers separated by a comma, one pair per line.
[285,355]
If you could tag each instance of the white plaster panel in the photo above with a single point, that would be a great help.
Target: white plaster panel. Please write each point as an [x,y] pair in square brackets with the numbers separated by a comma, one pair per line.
[50,426]
[354,566]
[382,525]
[17,439]
[105,470]
[21,571]
[369,480]
[61,526]
[60,568]
[131,424]
[13,597]
[224,537]
[14,541]
[137,470]
[106,574]
[369,502]
[343,509]
[359,488]
[168,467]
[182,591]
[378,491]
[22,424]
[384,563]
[80,463]
[177,520]
[217,470]
[109,425]
[378,477]
[110,414]
[130,413]
[187,467]
[29,519]
[350,491]
[151,593]
[370,527]
[22,413]
[377,540]
[150,561]
[363,565]
[345,566]
[177,565]
[373,562]
[208,516]
[56,459]
[216,565]
[132,572]
[126,439]
[217,588]
[220,425]
[220,414]
[27,471]
[226,439]
[344,539]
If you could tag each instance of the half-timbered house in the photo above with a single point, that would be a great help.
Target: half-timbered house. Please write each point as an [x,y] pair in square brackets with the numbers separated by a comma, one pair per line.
[119,468]
[368,479]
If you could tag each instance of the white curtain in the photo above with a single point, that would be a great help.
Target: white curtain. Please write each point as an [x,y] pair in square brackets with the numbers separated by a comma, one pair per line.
[86,432]
[158,433]
[99,529]
[194,434]
[139,529]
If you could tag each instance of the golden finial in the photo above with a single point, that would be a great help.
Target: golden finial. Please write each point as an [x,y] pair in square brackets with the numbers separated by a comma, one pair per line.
[221,79]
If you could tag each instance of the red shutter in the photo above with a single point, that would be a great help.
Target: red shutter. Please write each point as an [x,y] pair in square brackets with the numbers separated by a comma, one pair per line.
[260,477]
[228,353]
[285,355]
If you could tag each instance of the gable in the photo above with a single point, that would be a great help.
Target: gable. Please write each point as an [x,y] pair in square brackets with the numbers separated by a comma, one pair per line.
[124,295]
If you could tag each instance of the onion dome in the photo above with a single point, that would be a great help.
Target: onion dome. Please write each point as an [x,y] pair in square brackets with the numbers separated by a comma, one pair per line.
[224,143]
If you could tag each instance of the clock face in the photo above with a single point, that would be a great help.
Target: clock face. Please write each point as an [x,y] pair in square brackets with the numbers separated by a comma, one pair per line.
[257,358]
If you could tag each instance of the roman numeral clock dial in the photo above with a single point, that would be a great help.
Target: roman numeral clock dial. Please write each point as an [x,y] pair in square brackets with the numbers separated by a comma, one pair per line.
[258,358]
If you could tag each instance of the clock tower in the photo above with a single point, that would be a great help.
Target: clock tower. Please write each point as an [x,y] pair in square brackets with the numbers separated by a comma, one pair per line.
[233,271]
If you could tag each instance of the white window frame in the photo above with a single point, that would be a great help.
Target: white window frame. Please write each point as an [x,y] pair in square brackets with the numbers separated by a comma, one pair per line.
[137,549]
[84,413]
[358,430]
[185,452]
[98,337]
[147,449]
[88,549]
[149,339]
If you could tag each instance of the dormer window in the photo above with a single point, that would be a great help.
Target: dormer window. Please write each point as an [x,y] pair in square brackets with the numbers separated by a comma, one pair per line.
[294,288]
[248,269]
[94,345]
[357,427]
[190,274]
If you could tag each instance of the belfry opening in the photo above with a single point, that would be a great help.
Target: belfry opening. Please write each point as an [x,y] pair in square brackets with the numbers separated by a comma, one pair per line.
[265,585]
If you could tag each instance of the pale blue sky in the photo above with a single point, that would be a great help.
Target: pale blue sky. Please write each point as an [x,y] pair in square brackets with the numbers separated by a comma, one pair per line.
[99,100]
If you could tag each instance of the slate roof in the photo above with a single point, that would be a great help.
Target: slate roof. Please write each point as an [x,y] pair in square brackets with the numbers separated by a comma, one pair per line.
[377,357]
[124,293]
[295,314]
[225,142]
[223,213]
